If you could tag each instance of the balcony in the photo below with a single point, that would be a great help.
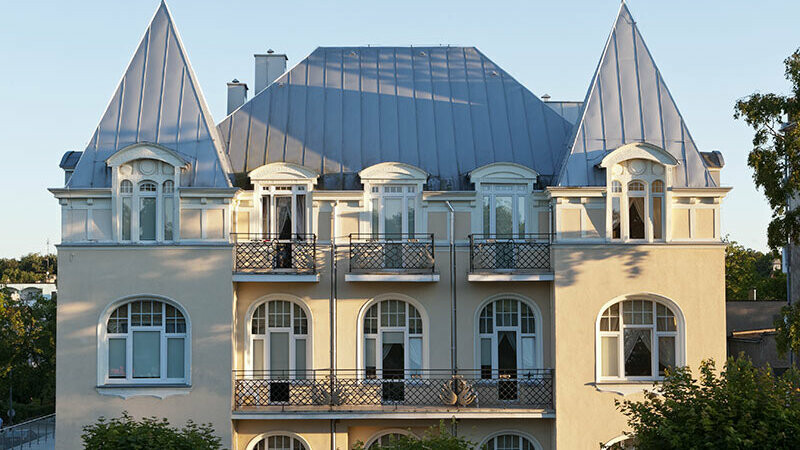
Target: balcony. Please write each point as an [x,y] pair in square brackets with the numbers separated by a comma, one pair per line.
[269,257]
[519,257]
[392,257]
[471,392]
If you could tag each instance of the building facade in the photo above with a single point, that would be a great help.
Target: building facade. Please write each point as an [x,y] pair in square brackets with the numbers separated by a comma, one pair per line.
[380,239]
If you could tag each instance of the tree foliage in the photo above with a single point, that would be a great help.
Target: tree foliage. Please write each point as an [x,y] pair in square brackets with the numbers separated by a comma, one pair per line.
[27,355]
[434,438]
[747,269]
[31,268]
[742,407]
[148,433]
[775,157]
[787,330]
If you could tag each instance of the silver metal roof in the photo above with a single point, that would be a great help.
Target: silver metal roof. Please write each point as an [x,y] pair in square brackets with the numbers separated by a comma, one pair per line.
[628,101]
[447,110]
[158,101]
[569,110]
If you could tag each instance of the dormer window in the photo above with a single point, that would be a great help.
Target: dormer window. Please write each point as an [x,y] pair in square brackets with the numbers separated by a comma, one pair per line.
[636,209]
[283,210]
[393,210]
[147,210]
[504,210]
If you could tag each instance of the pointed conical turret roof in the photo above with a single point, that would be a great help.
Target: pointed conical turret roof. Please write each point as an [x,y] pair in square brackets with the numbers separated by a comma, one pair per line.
[627,102]
[158,101]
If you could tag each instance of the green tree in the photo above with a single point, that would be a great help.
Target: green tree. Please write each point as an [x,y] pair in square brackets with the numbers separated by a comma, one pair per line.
[31,268]
[787,330]
[148,433]
[775,157]
[27,355]
[434,438]
[742,407]
[746,269]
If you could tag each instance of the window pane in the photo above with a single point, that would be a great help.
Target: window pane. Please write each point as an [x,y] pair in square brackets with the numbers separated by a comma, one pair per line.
[369,354]
[258,354]
[116,358]
[300,357]
[486,319]
[126,218]
[415,353]
[169,213]
[300,214]
[283,217]
[637,312]
[147,219]
[521,215]
[394,357]
[616,231]
[279,353]
[375,217]
[265,211]
[486,358]
[610,319]
[609,362]
[146,354]
[666,353]
[506,351]
[486,214]
[638,352]
[636,217]
[411,227]
[371,320]
[504,219]
[665,319]
[528,352]
[393,215]
[175,362]
[259,321]
[658,222]
[528,319]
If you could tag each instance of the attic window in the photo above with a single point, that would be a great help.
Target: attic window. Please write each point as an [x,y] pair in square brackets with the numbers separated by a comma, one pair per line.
[126,187]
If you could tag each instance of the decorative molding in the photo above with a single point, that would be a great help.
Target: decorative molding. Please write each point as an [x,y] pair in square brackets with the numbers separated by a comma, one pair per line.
[503,172]
[638,150]
[393,277]
[393,172]
[283,172]
[508,277]
[625,389]
[146,150]
[126,392]
[276,277]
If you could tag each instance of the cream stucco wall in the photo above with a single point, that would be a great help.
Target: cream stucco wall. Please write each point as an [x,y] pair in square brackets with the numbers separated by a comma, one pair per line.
[586,278]
[90,278]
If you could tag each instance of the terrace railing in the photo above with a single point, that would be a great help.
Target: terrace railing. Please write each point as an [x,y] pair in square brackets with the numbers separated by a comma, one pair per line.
[392,253]
[31,433]
[513,253]
[354,389]
[261,253]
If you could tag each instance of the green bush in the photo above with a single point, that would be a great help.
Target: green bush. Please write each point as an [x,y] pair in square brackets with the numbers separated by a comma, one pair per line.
[147,433]
[435,438]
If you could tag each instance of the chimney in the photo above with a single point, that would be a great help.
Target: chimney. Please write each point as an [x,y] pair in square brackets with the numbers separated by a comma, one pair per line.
[269,67]
[751,294]
[546,98]
[237,94]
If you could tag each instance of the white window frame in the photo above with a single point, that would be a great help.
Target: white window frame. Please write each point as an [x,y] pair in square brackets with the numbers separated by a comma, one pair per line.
[362,336]
[272,191]
[377,195]
[528,437]
[293,338]
[375,438]
[537,334]
[256,440]
[103,346]
[517,191]
[679,335]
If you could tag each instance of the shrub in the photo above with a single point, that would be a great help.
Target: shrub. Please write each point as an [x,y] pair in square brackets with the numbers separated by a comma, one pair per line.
[147,433]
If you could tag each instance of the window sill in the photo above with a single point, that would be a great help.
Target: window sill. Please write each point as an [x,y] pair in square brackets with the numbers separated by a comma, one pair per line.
[624,388]
[161,391]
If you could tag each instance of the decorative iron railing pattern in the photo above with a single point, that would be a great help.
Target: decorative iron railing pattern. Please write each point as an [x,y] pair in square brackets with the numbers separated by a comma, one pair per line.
[397,253]
[517,253]
[31,433]
[473,389]
[268,253]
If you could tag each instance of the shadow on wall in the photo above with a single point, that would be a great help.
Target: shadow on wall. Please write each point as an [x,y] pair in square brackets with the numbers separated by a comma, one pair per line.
[629,259]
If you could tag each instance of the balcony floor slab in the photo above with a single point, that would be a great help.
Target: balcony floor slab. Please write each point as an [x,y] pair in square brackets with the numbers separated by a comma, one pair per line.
[276,277]
[392,277]
[500,276]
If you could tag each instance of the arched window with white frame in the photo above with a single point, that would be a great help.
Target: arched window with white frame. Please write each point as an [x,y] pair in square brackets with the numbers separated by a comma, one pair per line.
[385,438]
[278,441]
[126,197]
[509,340]
[393,340]
[510,440]
[148,196]
[146,341]
[168,192]
[279,340]
[638,339]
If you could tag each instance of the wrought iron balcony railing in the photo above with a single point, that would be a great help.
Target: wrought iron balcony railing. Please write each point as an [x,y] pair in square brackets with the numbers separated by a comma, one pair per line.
[394,253]
[511,253]
[260,253]
[435,389]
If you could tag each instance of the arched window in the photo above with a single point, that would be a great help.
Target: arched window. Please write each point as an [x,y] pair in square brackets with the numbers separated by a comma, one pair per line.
[147,341]
[620,443]
[508,339]
[637,339]
[126,191]
[279,340]
[393,346]
[147,210]
[386,438]
[168,191]
[510,441]
[279,442]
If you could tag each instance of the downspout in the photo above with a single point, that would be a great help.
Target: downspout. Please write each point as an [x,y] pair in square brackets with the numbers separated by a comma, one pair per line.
[453,315]
[332,304]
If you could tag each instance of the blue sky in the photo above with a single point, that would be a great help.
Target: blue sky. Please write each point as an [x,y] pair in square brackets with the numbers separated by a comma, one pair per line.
[61,62]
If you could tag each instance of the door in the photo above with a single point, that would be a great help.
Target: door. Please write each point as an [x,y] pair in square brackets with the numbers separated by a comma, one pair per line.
[507,364]
[393,365]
